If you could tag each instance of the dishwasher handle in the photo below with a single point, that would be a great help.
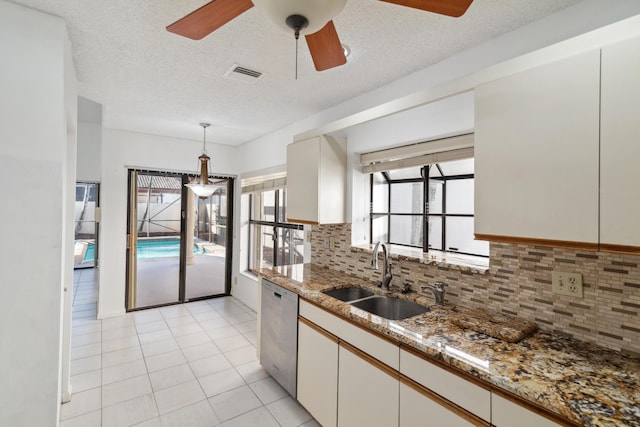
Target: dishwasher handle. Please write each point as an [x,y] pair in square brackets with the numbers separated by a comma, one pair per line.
[277,295]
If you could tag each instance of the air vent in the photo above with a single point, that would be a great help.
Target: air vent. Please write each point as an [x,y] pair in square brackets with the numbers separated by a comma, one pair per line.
[243,74]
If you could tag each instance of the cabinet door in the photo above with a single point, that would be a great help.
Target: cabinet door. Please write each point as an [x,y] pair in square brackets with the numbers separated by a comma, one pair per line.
[418,409]
[505,413]
[316,180]
[368,392]
[303,162]
[318,373]
[536,153]
[620,147]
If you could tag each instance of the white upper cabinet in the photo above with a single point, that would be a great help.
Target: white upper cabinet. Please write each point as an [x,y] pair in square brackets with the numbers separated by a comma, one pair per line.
[620,147]
[536,152]
[316,180]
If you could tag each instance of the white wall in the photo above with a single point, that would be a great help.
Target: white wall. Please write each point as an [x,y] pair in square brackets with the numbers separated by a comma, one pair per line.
[68,225]
[89,140]
[120,150]
[36,111]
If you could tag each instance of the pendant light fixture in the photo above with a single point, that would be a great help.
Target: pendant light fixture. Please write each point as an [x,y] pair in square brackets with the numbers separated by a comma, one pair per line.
[200,186]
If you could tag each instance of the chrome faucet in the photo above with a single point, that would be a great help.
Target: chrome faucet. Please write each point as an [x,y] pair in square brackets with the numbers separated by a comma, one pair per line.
[438,291]
[386,274]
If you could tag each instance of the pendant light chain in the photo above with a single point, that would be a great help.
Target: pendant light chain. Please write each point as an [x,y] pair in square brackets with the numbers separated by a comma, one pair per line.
[204,137]
[297,23]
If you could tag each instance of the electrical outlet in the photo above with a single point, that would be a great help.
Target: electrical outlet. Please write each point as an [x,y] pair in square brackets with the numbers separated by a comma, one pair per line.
[332,242]
[566,283]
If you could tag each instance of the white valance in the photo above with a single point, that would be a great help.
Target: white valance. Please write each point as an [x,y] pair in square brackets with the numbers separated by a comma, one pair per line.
[422,153]
[271,181]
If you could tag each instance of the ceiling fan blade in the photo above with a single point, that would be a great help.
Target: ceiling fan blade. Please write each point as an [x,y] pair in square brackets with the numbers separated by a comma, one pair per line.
[205,20]
[455,8]
[325,47]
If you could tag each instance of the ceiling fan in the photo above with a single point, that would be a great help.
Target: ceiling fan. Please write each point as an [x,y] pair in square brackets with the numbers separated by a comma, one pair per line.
[311,18]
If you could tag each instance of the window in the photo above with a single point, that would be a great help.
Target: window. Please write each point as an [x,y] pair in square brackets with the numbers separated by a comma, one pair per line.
[428,207]
[85,190]
[272,241]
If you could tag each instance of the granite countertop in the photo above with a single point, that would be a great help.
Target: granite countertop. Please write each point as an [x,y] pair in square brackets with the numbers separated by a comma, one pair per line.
[583,382]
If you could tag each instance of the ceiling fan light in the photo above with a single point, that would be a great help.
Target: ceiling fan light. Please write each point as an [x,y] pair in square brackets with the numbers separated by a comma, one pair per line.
[317,12]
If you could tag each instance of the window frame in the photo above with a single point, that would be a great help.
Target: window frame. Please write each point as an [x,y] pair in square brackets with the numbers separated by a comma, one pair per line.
[276,225]
[425,214]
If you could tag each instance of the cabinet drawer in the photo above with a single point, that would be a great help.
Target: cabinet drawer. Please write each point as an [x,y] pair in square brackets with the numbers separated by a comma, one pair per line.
[463,393]
[379,348]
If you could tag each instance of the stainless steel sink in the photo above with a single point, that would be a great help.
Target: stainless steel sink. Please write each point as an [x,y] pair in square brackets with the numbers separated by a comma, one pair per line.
[390,308]
[349,294]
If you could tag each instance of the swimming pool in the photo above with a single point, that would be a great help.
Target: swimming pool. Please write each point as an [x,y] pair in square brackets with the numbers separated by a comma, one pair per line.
[151,248]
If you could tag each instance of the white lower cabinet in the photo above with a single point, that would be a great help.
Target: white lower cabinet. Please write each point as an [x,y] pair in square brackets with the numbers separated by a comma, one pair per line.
[505,413]
[349,377]
[318,373]
[419,408]
[368,393]
[452,387]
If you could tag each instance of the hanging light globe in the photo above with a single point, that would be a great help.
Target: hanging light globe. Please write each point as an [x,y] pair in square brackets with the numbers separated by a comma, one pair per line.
[201,186]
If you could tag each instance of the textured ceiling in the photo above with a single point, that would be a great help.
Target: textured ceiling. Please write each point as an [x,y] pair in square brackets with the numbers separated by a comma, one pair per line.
[149,80]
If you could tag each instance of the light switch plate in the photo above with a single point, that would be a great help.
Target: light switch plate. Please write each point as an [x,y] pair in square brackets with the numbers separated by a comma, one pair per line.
[564,283]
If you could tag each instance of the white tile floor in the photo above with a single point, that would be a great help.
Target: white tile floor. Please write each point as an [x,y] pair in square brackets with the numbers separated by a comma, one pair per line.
[184,365]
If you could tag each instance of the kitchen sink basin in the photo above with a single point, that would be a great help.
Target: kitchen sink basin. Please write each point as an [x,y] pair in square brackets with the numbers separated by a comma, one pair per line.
[390,308]
[349,294]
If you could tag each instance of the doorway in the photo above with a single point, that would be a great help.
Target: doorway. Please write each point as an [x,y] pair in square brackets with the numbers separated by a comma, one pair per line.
[179,245]
[86,225]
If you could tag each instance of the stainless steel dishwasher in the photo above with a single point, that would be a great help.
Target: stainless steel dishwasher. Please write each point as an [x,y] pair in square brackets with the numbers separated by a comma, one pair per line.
[279,334]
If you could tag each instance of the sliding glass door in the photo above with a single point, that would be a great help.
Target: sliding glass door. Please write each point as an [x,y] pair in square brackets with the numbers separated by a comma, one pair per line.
[206,264]
[178,247]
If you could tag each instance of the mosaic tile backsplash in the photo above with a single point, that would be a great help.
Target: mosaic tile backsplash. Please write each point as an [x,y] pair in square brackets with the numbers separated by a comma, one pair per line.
[518,282]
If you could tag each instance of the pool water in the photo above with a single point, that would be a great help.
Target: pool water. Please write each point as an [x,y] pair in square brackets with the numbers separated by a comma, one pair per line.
[90,254]
[152,248]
